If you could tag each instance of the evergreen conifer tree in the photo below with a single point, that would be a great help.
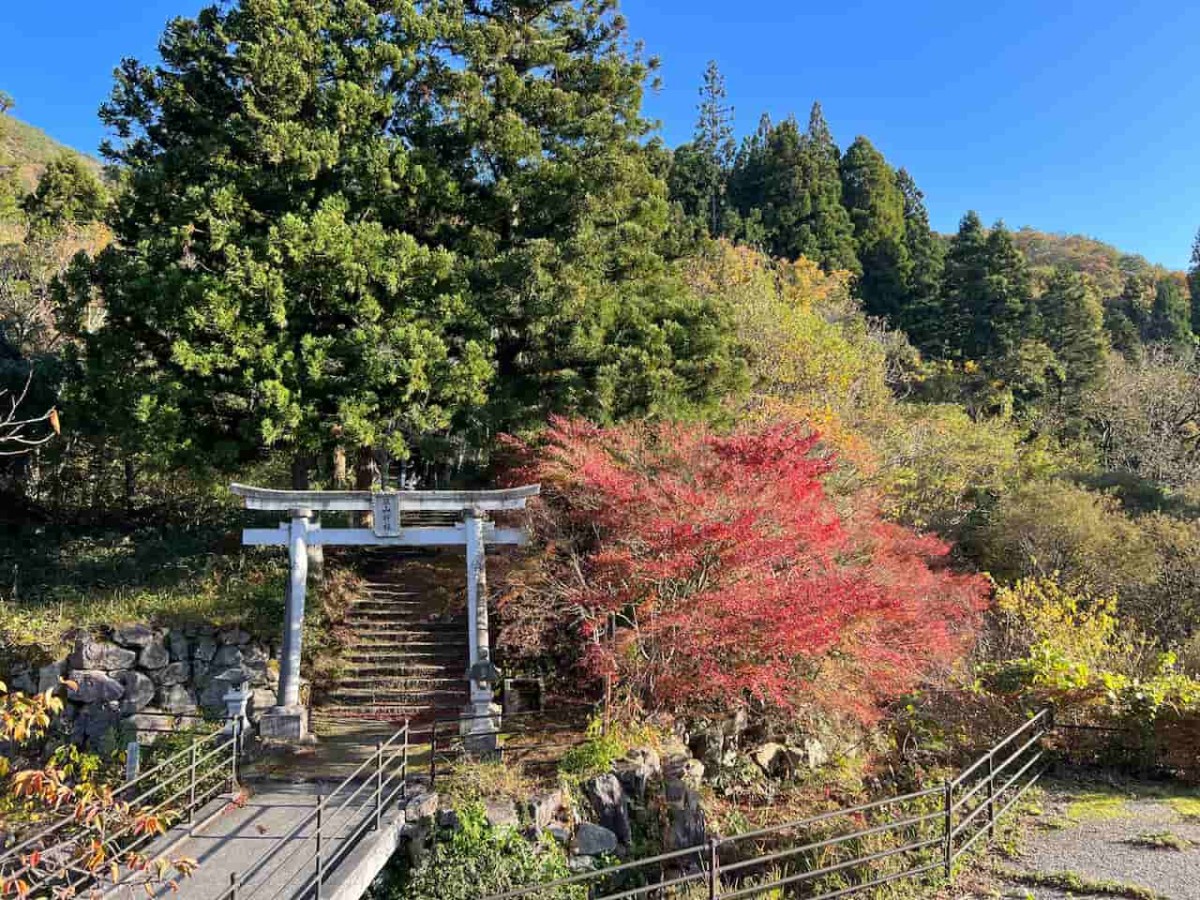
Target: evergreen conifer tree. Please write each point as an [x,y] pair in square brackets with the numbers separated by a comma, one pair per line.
[826,232]
[1072,321]
[1170,316]
[964,287]
[875,203]
[714,144]
[1007,313]
[366,225]
[923,316]
[1193,280]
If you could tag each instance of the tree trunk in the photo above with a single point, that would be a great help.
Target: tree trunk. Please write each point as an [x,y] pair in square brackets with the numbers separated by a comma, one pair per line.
[364,480]
[341,478]
[130,484]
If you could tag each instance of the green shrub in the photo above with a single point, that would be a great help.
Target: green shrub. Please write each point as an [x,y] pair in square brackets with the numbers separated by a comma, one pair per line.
[476,860]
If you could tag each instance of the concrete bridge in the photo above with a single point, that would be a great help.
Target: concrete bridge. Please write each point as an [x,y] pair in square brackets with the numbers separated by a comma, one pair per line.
[271,839]
[266,839]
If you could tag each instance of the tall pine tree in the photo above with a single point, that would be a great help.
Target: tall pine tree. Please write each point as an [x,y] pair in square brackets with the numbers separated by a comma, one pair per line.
[1007,313]
[923,317]
[875,203]
[1072,322]
[826,232]
[964,287]
[1193,280]
[700,170]
[369,225]
[714,143]
[1170,316]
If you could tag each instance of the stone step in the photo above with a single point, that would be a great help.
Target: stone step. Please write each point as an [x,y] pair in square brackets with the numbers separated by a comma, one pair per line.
[367,617]
[387,603]
[399,669]
[426,621]
[409,635]
[416,651]
[401,684]
[384,711]
[396,695]
[396,661]
[388,676]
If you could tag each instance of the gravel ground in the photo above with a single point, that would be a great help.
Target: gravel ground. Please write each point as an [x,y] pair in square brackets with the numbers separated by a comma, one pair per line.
[1068,839]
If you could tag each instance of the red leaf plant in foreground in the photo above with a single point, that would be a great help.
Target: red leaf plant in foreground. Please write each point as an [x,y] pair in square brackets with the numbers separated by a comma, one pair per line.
[704,570]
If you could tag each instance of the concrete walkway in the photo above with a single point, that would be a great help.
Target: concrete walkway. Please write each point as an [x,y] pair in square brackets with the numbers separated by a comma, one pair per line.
[244,838]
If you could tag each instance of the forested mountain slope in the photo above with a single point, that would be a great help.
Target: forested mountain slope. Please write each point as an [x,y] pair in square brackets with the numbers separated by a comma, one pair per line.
[26,150]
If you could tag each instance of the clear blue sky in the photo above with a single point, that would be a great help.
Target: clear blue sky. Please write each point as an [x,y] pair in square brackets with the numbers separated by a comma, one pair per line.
[1067,116]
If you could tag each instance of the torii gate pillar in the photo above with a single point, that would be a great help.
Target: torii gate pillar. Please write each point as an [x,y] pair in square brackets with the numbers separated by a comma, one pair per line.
[480,721]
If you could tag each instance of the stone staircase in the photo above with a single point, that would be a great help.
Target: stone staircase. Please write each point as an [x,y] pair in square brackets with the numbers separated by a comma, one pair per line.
[406,648]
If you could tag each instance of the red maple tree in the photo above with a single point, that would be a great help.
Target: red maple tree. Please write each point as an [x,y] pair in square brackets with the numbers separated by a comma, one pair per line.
[700,569]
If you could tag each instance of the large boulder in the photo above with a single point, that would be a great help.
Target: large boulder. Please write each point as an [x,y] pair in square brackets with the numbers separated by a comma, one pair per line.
[686,826]
[133,635]
[421,805]
[97,724]
[50,676]
[226,657]
[234,636]
[154,655]
[640,766]
[501,813]
[708,746]
[93,654]
[172,673]
[176,698]
[94,686]
[545,807]
[688,770]
[611,806]
[775,760]
[139,691]
[150,726]
[177,645]
[205,648]
[593,840]
[812,753]
[23,680]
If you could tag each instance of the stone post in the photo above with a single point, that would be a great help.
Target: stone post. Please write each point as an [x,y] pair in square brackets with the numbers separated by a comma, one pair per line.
[288,720]
[483,722]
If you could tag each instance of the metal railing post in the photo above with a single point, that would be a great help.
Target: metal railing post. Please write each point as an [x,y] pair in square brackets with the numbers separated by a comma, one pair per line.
[714,865]
[378,784]
[433,753]
[192,787]
[991,796]
[404,767]
[233,761]
[948,850]
[233,886]
[320,859]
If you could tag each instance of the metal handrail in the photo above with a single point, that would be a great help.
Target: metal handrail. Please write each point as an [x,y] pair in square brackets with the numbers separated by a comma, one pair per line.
[1006,773]
[321,821]
[223,740]
[67,820]
[991,754]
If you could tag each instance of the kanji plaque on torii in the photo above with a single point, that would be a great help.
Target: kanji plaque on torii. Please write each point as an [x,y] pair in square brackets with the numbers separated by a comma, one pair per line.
[288,720]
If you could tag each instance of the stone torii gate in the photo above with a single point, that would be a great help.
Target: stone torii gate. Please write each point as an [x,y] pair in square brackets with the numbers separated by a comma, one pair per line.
[288,720]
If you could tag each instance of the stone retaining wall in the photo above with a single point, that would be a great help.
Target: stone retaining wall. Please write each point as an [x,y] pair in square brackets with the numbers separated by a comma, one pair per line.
[137,678]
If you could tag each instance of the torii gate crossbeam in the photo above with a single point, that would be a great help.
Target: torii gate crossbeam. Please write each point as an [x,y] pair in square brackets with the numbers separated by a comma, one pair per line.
[288,720]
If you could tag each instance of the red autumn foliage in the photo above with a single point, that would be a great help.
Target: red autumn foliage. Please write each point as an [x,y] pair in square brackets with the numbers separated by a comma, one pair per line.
[730,574]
